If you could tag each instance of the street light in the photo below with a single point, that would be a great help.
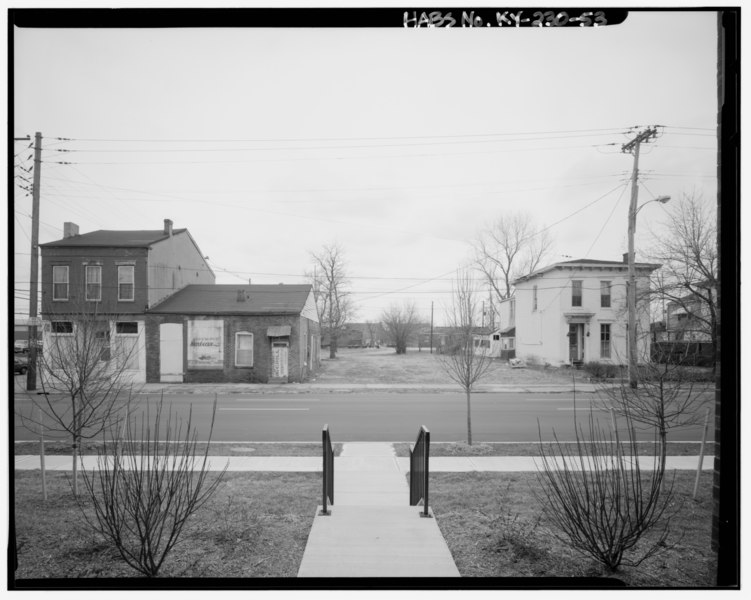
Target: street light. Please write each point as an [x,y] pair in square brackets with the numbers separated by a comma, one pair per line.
[633,210]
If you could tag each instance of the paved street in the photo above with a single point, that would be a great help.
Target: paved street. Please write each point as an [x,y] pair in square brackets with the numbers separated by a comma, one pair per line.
[385,416]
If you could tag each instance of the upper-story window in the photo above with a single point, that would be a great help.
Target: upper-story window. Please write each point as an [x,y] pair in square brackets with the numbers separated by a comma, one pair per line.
[534,297]
[605,294]
[576,292]
[93,283]
[125,282]
[59,282]
[512,310]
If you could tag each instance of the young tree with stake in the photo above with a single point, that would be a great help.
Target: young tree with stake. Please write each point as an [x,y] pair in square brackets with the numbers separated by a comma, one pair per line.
[463,362]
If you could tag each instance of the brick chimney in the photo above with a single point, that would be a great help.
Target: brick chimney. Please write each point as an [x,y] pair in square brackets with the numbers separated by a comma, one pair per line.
[69,229]
[168,227]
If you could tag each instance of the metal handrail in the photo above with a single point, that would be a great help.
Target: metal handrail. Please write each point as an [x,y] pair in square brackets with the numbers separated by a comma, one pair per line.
[419,461]
[328,471]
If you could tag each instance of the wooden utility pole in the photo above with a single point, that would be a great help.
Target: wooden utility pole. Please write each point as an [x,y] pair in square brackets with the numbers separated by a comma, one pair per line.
[31,373]
[633,146]
[431,327]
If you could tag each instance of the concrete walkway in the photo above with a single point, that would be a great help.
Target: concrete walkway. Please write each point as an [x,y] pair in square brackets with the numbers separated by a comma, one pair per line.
[372,531]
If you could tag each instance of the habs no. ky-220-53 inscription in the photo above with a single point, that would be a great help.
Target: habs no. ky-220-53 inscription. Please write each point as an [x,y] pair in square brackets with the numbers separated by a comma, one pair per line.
[507,18]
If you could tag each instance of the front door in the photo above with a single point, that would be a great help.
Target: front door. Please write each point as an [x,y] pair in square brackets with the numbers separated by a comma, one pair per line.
[575,354]
[171,353]
[279,360]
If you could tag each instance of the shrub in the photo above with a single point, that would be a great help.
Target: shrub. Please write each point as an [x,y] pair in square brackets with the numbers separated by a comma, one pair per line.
[598,370]
[144,491]
[603,504]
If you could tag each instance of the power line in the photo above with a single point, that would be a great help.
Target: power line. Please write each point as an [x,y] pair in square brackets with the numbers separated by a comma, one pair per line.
[335,139]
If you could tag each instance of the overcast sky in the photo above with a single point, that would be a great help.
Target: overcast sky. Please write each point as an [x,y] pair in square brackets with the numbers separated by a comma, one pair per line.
[398,144]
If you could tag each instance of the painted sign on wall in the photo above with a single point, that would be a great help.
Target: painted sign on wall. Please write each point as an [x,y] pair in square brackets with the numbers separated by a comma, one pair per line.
[205,344]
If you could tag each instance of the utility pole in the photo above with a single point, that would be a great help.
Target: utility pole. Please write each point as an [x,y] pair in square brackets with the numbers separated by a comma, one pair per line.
[633,146]
[31,373]
[431,327]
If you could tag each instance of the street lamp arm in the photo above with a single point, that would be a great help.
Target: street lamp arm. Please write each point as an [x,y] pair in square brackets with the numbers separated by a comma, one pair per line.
[660,199]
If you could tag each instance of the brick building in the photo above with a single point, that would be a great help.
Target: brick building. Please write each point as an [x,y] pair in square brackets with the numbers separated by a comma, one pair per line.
[109,278]
[231,333]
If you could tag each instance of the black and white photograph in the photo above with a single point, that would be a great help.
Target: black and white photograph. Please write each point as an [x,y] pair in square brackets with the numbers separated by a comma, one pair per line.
[327,297]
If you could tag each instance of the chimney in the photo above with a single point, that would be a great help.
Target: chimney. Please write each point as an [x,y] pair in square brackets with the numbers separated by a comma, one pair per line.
[625,258]
[168,227]
[69,229]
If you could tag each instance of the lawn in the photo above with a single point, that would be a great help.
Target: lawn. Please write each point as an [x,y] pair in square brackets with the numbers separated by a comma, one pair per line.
[500,530]
[383,365]
[256,525]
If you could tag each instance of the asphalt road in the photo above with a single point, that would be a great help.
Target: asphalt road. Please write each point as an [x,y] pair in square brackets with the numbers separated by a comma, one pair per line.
[383,416]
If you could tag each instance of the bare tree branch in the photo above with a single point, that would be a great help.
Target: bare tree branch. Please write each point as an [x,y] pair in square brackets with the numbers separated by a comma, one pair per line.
[510,248]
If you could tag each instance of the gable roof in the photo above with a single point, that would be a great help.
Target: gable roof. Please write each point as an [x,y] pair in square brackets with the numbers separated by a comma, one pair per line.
[213,299]
[590,263]
[142,238]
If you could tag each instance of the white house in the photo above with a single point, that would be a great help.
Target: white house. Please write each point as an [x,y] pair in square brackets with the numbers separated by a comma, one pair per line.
[576,311]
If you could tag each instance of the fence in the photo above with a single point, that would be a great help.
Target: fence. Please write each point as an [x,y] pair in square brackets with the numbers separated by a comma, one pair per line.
[419,458]
[328,471]
[694,354]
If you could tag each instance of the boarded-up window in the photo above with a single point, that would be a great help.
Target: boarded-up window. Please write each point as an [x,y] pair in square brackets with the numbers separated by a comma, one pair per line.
[243,349]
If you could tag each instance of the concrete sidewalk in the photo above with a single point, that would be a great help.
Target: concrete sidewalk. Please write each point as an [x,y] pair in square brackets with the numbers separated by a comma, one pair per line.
[371,530]
[155,389]
[346,485]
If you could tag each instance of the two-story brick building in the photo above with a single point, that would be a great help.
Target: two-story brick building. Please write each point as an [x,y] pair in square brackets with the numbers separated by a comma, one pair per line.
[233,334]
[575,312]
[110,278]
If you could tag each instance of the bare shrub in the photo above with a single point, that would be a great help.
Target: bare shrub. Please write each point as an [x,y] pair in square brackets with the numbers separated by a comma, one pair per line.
[604,504]
[143,492]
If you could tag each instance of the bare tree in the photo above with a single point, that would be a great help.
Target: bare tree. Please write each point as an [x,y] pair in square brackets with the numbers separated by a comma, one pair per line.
[687,249]
[602,503]
[510,248]
[465,361]
[85,377]
[400,323]
[372,328]
[146,486]
[331,292]
[665,398]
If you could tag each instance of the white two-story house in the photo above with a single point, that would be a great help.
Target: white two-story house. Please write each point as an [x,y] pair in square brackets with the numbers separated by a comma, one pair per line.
[575,312]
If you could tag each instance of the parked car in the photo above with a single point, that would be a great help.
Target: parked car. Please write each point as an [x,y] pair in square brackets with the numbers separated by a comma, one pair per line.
[21,346]
[20,365]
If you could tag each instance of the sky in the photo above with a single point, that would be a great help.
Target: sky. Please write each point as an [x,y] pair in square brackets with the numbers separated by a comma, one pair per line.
[399,144]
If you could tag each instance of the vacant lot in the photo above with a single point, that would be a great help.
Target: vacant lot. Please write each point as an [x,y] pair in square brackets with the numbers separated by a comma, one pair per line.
[383,365]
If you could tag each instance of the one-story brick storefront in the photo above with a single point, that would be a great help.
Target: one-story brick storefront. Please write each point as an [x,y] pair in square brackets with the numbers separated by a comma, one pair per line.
[234,334]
